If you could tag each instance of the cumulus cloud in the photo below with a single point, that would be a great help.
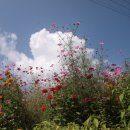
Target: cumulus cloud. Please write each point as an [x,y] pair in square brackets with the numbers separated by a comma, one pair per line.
[7,43]
[43,46]
[8,48]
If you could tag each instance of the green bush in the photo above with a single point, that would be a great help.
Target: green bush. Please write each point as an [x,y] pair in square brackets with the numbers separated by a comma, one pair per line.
[13,113]
[92,123]
[98,92]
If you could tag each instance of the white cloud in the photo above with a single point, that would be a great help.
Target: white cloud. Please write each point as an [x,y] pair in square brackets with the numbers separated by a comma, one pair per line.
[7,43]
[8,48]
[43,46]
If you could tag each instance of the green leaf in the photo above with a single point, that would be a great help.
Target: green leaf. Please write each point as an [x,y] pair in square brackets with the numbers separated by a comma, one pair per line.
[122,114]
[128,108]
[78,113]
[86,123]
[121,97]
[95,122]
[90,128]
[129,124]
[104,127]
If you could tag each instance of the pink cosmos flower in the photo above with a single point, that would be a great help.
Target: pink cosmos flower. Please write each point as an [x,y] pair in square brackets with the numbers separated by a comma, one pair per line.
[53,26]
[113,64]
[62,51]
[77,47]
[52,65]
[120,51]
[101,43]
[59,44]
[7,66]
[77,23]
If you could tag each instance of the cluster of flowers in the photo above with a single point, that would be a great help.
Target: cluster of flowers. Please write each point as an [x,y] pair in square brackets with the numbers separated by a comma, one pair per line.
[9,80]
[50,93]
[6,80]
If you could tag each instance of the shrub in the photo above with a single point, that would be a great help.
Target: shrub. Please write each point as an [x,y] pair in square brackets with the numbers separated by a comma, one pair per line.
[13,113]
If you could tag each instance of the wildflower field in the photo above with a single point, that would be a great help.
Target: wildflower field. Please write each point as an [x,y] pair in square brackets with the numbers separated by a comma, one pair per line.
[84,93]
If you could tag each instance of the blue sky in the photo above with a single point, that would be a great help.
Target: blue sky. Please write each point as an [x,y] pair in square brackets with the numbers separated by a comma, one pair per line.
[26,17]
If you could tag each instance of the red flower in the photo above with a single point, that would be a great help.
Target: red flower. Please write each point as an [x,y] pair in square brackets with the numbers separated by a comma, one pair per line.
[74,97]
[58,87]
[44,90]
[43,108]
[112,70]
[89,76]
[56,79]
[54,104]
[52,89]
[37,81]
[113,64]
[91,69]
[35,108]
[87,99]
[50,97]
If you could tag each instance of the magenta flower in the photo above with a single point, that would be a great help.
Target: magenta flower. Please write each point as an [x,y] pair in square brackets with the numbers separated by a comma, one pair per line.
[120,51]
[37,81]
[77,47]
[53,26]
[113,64]
[59,44]
[7,66]
[56,79]
[77,23]
[51,65]
[101,43]
[31,67]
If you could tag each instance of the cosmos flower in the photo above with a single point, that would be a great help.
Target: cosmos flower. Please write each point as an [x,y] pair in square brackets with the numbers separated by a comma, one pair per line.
[10,79]
[113,64]
[44,90]
[1,97]
[58,87]
[1,78]
[43,108]
[7,73]
[52,89]
[77,23]
[50,97]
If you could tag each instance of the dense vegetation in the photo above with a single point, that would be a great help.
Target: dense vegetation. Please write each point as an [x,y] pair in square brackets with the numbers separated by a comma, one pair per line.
[84,95]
